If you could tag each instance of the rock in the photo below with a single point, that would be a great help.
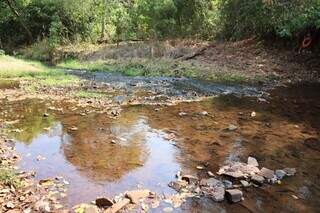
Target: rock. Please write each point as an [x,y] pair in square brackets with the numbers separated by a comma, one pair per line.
[236,174]
[45,115]
[253,114]
[290,171]
[136,195]
[253,162]
[182,113]
[103,202]
[232,127]
[211,182]
[190,179]
[267,173]
[74,128]
[118,206]
[257,179]
[200,167]
[9,205]
[227,184]
[234,195]
[218,194]
[204,113]
[245,183]
[280,174]
[86,208]
[211,174]
[304,193]
[168,209]
[312,143]
[42,206]
[177,185]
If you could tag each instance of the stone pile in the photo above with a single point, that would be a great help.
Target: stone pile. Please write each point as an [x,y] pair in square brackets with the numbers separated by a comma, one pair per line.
[232,177]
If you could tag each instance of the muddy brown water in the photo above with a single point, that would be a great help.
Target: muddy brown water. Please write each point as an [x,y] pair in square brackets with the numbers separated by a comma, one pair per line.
[107,156]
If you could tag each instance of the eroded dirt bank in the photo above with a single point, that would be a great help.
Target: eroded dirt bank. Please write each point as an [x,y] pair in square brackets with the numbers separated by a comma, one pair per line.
[106,146]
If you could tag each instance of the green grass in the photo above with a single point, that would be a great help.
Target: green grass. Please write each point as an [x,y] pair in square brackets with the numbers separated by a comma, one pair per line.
[155,68]
[8,177]
[36,72]
[88,94]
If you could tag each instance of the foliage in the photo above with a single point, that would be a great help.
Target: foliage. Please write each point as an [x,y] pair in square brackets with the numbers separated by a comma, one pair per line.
[265,18]
[61,21]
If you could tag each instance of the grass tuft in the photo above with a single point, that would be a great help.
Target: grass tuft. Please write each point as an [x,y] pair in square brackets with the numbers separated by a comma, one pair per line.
[8,177]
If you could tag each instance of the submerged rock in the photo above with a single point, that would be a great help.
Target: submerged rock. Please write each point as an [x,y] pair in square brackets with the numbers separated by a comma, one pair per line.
[234,195]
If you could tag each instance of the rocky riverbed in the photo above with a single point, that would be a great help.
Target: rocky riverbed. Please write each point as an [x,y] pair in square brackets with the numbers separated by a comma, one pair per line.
[162,155]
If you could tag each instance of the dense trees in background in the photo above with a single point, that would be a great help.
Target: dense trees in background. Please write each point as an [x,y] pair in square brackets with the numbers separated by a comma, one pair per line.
[61,21]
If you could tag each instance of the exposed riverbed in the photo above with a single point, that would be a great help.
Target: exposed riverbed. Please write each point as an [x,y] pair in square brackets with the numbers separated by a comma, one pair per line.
[146,145]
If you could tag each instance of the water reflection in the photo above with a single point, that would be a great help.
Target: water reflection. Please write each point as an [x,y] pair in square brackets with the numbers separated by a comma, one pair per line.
[106,156]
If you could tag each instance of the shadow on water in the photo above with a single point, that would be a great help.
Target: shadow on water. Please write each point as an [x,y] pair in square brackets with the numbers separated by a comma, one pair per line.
[107,156]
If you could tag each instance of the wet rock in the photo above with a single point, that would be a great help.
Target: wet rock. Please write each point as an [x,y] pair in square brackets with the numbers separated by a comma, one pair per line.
[136,195]
[42,206]
[190,179]
[45,115]
[267,173]
[280,174]
[118,206]
[245,183]
[257,179]
[232,127]
[177,185]
[234,195]
[252,161]
[290,171]
[103,202]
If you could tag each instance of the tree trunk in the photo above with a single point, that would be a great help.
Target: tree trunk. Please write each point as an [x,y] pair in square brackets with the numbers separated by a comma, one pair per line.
[103,22]
[15,12]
